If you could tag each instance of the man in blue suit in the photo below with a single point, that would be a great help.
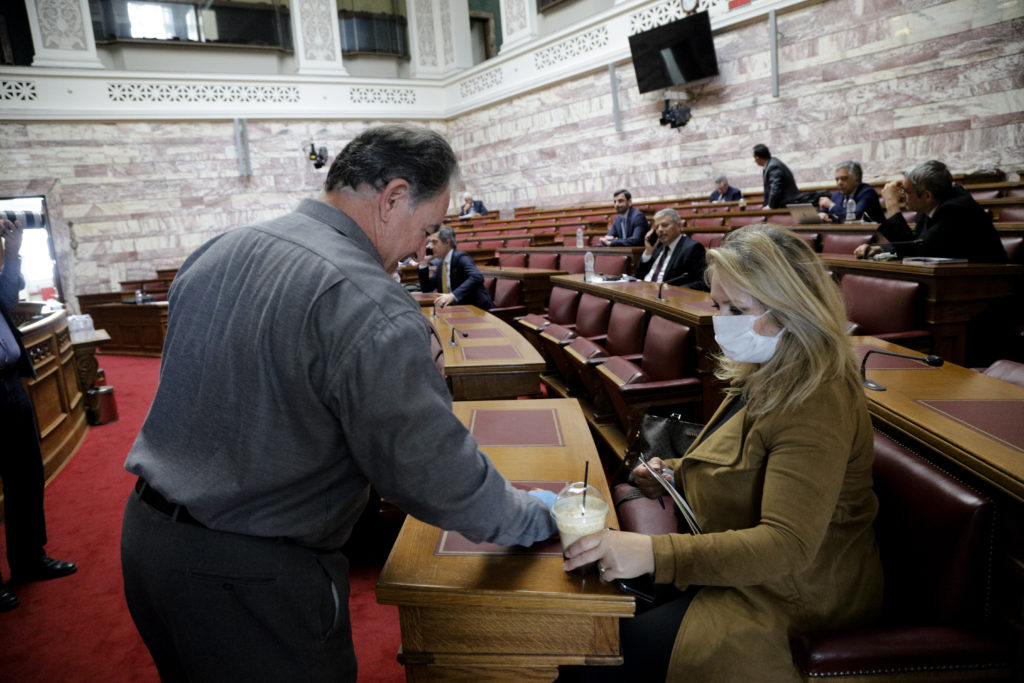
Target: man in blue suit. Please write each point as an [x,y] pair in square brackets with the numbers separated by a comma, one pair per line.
[724,192]
[630,225]
[848,184]
[471,207]
[456,278]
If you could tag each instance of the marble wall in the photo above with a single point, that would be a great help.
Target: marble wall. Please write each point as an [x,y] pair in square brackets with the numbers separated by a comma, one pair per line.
[886,82]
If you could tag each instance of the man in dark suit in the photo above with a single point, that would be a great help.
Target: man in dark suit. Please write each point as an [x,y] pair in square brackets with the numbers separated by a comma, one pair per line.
[456,278]
[779,185]
[949,222]
[630,225]
[676,259]
[723,192]
[849,185]
[471,207]
[21,461]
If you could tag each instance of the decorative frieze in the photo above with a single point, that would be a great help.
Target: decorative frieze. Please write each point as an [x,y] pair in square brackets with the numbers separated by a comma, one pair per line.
[595,39]
[141,91]
[18,91]
[382,95]
[480,82]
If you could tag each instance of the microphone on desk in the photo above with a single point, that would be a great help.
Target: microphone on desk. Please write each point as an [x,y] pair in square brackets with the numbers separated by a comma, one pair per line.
[452,341]
[931,359]
[433,308]
[670,281]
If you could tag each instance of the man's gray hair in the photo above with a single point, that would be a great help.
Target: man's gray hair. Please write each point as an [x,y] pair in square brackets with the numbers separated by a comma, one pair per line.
[447,235]
[721,179]
[671,214]
[855,170]
[378,155]
[467,195]
[933,176]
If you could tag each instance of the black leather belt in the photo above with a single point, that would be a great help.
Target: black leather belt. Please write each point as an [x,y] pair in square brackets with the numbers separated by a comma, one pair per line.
[151,497]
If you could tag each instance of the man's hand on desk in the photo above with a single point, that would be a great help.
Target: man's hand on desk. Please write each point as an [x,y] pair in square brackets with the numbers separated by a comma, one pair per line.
[443,300]
[621,554]
[867,250]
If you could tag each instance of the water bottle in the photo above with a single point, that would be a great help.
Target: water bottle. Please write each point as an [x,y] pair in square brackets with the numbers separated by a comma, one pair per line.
[743,203]
[588,266]
[138,296]
[851,210]
[579,237]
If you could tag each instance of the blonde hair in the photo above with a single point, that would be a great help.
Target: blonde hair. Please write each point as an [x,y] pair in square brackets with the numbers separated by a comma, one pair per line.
[779,269]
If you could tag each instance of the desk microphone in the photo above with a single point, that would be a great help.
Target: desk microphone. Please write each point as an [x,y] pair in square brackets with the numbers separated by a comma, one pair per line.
[433,308]
[452,341]
[932,360]
[670,281]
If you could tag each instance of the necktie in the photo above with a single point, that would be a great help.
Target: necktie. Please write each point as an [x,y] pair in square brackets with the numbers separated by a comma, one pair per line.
[444,278]
[656,277]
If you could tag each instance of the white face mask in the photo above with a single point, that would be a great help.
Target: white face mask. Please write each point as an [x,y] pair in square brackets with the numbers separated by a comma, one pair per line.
[736,336]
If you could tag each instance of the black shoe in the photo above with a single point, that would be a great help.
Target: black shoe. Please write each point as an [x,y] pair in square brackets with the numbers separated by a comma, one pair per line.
[46,568]
[8,600]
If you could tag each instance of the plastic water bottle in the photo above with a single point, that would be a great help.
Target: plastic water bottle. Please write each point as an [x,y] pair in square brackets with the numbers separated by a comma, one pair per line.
[588,266]
[138,296]
[851,210]
[579,237]
[743,203]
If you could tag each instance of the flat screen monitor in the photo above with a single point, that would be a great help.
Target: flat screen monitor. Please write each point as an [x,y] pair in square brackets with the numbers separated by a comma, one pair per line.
[673,54]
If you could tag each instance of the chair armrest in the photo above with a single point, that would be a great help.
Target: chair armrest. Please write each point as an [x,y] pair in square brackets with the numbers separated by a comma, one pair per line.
[599,339]
[645,391]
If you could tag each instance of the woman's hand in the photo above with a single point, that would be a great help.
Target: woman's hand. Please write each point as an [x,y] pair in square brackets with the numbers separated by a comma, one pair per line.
[645,481]
[619,554]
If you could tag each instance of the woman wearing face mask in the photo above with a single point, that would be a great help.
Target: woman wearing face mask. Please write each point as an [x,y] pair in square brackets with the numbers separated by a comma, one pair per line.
[779,480]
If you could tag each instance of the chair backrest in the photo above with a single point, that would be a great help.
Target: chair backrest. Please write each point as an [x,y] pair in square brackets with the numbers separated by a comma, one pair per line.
[1015,192]
[910,217]
[610,264]
[1011,214]
[512,260]
[667,351]
[546,261]
[508,292]
[518,242]
[1013,246]
[468,244]
[489,233]
[592,315]
[740,221]
[571,263]
[880,305]
[709,222]
[1008,371]
[781,219]
[492,244]
[813,240]
[625,330]
[489,285]
[710,240]
[984,194]
[935,538]
[562,305]
[843,242]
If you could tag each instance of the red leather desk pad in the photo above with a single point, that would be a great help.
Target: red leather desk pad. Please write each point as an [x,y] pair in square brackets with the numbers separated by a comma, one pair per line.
[510,428]
[482,333]
[454,543]
[1002,420]
[462,319]
[454,309]
[489,352]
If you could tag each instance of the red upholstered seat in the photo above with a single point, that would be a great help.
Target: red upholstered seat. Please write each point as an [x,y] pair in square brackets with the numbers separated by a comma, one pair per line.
[843,242]
[489,285]
[571,263]
[709,222]
[468,244]
[741,220]
[512,260]
[984,194]
[592,316]
[545,261]
[813,240]
[781,219]
[1014,246]
[508,299]
[610,264]
[492,244]
[666,375]
[886,308]
[1011,214]
[710,240]
[934,535]
[625,337]
[1008,371]
[562,306]
[552,340]
[489,233]
[518,242]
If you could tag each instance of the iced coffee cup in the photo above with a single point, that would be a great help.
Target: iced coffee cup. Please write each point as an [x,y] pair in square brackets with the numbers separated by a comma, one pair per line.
[576,518]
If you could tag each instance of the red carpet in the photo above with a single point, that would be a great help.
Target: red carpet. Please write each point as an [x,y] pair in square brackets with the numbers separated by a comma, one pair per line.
[78,628]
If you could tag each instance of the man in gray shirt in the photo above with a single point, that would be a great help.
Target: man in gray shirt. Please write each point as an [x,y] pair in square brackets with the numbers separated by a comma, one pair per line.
[296,373]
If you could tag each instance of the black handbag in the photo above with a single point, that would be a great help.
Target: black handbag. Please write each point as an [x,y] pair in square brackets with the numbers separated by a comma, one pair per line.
[663,436]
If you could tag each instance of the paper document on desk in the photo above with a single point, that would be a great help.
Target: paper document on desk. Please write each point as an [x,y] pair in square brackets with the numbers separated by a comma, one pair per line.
[933,259]
[677,498]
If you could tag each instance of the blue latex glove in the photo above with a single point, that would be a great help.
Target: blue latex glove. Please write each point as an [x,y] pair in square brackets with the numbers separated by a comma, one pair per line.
[544,496]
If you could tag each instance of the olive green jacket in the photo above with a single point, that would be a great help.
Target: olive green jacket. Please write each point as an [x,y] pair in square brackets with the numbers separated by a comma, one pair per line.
[786,506]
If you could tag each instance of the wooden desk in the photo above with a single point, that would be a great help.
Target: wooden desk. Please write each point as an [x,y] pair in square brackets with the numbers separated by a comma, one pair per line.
[536,284]
[493,361]
[954,293]
[134,329]
[686,306]
[515,617]
[970,425]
